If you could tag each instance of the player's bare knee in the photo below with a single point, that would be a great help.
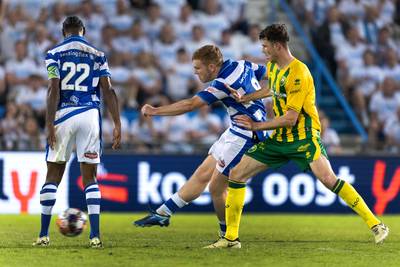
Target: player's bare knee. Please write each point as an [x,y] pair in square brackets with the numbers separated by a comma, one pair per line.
[236,174]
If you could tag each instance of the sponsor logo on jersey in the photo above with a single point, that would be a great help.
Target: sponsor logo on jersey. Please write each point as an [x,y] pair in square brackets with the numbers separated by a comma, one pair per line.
[91,155]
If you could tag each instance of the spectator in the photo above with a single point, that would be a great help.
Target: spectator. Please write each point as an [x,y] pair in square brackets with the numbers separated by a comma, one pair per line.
[40,44]
[30,137]
[227,48]
[365,80]
[251,49]
[198,39]
[213,20]
[329,136]
[146,83]
[235,12]
[181,82]
[93,21]
[170,8]
[123,18]
[142,135]
[176,133]
[19,69]
[153,21]
[391,68]
[205,127]
[166,47]
[184,24]
[392,132]
[9,126]
[383,104]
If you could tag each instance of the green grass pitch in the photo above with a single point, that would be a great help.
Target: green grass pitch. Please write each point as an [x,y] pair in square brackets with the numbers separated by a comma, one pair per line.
[267,240]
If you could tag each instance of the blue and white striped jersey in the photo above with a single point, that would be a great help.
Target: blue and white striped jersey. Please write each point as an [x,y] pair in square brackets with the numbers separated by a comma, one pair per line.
[79,67]
[243,76]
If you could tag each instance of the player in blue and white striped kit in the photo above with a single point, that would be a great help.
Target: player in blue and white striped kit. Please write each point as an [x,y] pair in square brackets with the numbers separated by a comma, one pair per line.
[225,153]
[76,72]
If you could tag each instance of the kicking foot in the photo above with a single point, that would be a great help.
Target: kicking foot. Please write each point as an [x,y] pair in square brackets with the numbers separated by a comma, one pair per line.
[153,219]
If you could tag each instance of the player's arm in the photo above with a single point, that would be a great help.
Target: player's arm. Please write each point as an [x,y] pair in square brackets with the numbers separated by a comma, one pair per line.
[177,108]
[259,94]
[289,119]
[296,88]
[53,97]
[111,100]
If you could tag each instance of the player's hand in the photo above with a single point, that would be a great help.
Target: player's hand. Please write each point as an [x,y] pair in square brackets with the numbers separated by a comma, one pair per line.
[116,137]
[238,97]
[245,122]
[148,110]
[51,136]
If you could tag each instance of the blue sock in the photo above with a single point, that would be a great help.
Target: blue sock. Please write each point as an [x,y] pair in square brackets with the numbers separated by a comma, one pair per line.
[47,200]
[93,198]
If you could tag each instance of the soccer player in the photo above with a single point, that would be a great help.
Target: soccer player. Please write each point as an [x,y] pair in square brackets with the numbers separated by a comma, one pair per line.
[76,71]
[296,137]
[226,152]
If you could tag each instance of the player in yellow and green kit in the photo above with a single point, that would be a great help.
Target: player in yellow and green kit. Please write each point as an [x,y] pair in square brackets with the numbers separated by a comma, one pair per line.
[296,137]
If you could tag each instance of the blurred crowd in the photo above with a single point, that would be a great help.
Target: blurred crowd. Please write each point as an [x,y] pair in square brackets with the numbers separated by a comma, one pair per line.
[148,45]
[359,41]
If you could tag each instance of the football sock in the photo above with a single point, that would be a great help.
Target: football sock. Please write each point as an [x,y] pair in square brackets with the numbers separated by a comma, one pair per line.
[47,200]
[222,228]
[233,208]
[171,205]
[93,198]
[347,192]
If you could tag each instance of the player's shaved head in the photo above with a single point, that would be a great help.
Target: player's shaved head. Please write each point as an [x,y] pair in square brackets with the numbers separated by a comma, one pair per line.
[209,54]
[73,25]
[275,33]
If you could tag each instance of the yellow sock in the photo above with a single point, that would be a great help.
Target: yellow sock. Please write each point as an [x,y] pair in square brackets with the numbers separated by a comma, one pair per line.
[347,192]
[233,208]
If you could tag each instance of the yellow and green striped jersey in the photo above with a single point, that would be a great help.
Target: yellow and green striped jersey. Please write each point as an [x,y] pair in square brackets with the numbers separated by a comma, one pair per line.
[293,88]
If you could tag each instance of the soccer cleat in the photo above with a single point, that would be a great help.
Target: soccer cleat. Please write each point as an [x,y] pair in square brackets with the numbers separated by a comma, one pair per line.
[225,243]
[95,242]
[380,231]
[153,219]
[43,241]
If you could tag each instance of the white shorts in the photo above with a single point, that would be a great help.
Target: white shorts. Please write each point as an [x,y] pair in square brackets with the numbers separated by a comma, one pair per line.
[229,149]
[75,128]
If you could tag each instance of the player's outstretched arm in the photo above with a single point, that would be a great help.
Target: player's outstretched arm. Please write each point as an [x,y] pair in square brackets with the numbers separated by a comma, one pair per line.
[259,94]
[53,96]
[176,108]
[287,120]
[111,101]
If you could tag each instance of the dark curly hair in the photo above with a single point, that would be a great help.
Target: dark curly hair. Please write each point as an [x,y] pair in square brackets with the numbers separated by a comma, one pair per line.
[275,33]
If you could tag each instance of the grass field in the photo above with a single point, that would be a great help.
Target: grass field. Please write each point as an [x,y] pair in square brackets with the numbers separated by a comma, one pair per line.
[267,240]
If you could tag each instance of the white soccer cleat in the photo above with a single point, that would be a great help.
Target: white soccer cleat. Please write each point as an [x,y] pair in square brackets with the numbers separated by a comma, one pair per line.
[95,242]
[225,243]
[380,232]
[43,241]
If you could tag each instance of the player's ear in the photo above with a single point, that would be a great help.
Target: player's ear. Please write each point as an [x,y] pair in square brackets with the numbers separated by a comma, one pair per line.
[63,32]
[84,30]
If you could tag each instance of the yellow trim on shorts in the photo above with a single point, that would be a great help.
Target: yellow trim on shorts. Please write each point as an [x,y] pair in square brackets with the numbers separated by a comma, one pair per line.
[317,148]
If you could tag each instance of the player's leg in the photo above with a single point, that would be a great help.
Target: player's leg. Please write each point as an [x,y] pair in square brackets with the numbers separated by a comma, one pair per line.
[322,169]
[56,160]
[88,150]
[191,190]
[93,197]
[247,168]
[218,190]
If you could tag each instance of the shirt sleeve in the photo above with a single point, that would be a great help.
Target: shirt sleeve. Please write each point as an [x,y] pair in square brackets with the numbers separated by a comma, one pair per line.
[104,70]
[213,93]
[52,66]
[296,90]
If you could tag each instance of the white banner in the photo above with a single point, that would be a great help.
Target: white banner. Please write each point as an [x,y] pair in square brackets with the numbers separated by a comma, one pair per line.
[22,175]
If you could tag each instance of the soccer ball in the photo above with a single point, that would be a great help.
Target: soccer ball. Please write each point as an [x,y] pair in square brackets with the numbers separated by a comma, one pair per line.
[71,222]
